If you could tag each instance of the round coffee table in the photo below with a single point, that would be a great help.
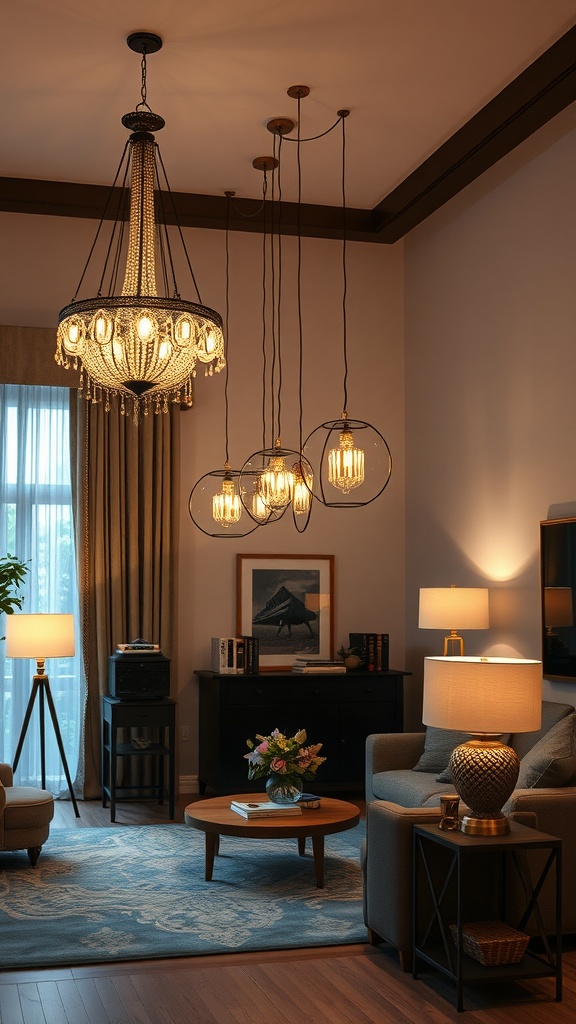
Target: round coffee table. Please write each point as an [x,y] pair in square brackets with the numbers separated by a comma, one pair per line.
[215,818]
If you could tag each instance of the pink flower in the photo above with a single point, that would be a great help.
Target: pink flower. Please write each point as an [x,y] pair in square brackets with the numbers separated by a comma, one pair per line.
[262,747]
[278,765]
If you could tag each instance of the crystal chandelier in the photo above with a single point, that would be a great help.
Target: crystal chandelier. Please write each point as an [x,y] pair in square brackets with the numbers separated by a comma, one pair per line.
[137,345]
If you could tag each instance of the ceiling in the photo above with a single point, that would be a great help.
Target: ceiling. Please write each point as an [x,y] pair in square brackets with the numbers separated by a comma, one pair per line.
[437,91]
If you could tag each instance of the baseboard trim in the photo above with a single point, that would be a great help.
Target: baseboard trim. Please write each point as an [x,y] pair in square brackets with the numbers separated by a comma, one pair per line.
[188,784]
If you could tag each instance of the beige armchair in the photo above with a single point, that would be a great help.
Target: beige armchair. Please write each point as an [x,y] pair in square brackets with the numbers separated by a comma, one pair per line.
[25,816]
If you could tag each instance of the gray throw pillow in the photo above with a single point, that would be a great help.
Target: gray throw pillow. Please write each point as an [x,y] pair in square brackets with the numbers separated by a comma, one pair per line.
[438,746]
[552,761]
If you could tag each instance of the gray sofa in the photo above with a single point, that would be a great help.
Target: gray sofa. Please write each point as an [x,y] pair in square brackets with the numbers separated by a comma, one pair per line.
[398,797]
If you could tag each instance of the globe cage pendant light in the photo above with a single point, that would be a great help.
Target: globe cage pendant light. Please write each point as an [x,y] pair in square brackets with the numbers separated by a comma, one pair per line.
[352,459]
[136,345]
[268,477]
[215,504]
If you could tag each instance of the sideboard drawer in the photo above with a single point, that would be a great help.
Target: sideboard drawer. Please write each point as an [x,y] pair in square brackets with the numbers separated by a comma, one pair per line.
[238,691]
[312,690]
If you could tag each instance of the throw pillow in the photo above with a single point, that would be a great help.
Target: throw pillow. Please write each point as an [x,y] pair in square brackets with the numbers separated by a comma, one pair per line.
[552,761]
[438,746]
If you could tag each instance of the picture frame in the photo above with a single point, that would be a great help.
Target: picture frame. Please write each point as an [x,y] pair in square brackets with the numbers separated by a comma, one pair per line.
[287,602]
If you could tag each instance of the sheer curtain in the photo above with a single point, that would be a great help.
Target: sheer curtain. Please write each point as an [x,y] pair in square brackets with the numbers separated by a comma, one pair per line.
[36,525]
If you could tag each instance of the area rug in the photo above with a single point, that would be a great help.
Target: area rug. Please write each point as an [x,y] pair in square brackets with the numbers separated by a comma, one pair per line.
[138,892]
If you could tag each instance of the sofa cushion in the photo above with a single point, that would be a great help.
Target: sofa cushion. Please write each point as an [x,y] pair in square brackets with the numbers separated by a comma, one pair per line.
[551,713]
[408,788]
[438,746]
[552,761]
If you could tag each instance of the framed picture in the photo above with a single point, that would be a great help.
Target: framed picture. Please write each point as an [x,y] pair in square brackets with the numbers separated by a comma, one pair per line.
[287,602]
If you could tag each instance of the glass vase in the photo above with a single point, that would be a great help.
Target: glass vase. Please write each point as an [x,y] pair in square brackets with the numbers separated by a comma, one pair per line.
[284,789]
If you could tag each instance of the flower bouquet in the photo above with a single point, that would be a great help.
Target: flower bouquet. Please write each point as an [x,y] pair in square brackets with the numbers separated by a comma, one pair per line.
[286,762]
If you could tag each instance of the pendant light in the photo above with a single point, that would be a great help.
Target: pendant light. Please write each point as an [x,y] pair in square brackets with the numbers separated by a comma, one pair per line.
[352,458]
[131,343]
[268,478]
[215,504]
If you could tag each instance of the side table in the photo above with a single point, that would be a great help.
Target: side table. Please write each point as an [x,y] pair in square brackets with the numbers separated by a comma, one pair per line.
[445,863]
[158,718]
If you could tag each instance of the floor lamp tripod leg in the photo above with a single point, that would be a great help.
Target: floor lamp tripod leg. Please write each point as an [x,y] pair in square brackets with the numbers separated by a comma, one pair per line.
[35,687]
[52,710]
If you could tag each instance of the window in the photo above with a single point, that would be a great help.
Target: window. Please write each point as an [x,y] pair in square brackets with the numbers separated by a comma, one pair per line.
[36,525]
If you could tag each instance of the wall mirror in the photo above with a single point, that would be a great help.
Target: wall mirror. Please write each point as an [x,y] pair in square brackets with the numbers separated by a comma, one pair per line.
[558,584]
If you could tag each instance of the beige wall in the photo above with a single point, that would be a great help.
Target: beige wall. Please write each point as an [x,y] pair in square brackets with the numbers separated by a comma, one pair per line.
[40,262]
[490,378]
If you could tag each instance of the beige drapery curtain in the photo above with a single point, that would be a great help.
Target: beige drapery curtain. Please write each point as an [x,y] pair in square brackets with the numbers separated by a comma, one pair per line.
[126,489]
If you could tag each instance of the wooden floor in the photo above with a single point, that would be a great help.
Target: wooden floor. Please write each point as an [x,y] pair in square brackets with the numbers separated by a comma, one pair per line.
[335,985]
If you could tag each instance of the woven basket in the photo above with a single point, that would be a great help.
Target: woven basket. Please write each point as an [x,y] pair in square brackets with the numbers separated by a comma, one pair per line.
[492,942]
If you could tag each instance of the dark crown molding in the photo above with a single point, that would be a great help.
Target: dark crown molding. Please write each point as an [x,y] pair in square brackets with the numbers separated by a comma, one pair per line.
[544,89]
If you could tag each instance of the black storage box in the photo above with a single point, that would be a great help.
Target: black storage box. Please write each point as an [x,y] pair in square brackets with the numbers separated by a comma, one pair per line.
[136,675]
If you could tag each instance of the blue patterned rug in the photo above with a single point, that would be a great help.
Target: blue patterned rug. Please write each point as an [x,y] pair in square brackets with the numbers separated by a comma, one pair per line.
[135,892]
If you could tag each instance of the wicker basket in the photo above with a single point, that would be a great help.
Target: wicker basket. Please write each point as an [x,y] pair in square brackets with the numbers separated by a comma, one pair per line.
[492,942]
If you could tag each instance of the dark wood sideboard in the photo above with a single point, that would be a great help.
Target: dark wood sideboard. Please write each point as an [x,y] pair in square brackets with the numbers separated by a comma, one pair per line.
[337,710]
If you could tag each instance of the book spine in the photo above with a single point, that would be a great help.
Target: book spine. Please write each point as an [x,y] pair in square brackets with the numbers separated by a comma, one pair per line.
[251,655]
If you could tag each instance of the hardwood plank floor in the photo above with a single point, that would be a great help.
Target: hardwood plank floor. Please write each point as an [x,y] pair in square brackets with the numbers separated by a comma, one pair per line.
[335,985]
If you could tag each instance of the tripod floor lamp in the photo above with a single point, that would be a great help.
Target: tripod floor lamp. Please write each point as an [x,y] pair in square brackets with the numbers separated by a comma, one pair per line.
[40,637]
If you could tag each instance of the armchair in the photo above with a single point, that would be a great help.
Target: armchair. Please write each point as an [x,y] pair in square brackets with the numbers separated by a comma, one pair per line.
[25,816]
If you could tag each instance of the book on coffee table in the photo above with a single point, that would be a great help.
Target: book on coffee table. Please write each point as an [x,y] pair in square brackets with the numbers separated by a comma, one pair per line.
[263,809]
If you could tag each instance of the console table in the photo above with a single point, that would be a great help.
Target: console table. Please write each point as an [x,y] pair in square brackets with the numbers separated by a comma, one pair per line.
[447,872]
[157,719]
[337,710]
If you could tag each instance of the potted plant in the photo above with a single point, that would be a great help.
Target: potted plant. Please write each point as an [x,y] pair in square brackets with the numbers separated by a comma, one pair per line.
[12,573]
[351,657]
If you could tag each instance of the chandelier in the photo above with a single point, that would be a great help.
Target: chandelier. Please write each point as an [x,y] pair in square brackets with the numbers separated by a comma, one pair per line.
[132,343]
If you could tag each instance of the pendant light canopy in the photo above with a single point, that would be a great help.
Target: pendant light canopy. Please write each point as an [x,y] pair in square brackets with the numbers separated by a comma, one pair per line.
[132,343]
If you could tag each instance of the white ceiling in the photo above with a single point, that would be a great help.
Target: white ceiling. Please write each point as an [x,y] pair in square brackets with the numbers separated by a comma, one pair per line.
[412,72]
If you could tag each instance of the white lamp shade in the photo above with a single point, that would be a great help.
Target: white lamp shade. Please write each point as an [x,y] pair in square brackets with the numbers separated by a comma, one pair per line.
[39,636]
[483,695]
[453,608]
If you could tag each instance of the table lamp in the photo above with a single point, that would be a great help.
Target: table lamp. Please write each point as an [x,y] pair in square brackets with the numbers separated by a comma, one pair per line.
[485,697]
[41,636]
[453,608]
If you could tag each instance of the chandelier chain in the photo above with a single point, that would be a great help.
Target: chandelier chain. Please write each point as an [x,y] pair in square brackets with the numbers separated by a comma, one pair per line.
[143,92]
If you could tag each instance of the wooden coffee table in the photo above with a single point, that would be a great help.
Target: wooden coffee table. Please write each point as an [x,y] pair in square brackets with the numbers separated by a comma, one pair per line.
[215,819]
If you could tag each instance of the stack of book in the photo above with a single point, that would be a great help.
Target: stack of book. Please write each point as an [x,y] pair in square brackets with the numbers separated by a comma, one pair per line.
[309,800]
[309,665]
[227,655]
[251,655]
[263,809]
[235,655]
[373,649]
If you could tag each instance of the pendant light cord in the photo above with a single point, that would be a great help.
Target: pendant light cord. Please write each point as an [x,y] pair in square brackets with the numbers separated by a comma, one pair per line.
[344,114]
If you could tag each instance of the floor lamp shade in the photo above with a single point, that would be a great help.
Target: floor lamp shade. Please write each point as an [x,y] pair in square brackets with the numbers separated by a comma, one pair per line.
[485,697]
[39,636]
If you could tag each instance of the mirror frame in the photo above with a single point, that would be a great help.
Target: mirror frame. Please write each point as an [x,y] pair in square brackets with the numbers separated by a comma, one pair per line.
[558,597]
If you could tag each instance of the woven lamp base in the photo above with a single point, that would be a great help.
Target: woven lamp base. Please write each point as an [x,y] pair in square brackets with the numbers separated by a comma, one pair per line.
[484,773]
